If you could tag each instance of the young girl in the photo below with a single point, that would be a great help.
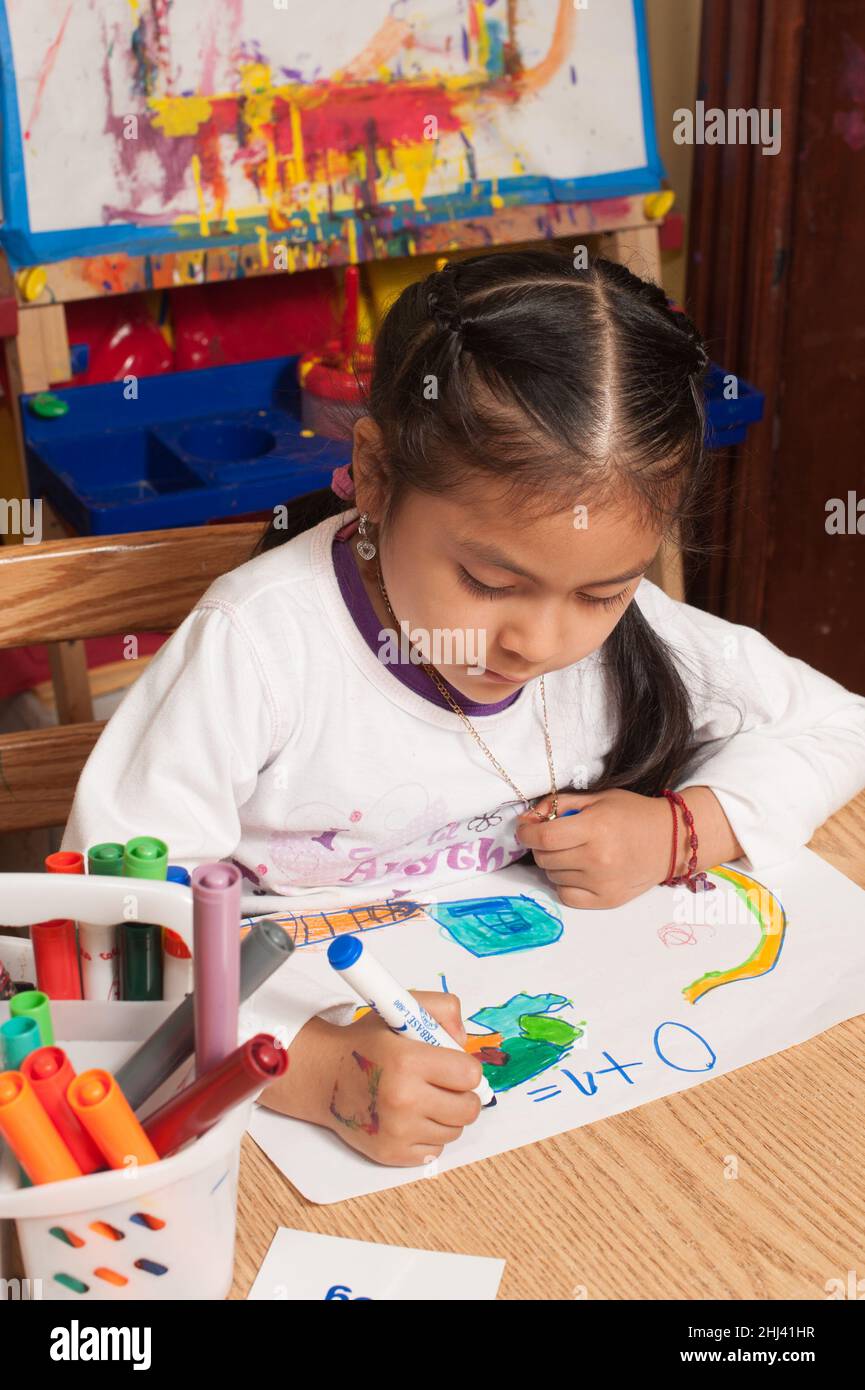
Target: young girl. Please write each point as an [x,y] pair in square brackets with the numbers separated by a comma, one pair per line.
[533,431]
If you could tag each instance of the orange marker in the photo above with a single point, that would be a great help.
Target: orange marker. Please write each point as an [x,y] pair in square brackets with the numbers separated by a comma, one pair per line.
[30,1134]
[106,1114]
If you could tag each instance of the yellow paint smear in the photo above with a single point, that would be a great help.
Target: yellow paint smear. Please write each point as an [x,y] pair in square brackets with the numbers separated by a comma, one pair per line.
[203,220]
[181,115]
[415,161]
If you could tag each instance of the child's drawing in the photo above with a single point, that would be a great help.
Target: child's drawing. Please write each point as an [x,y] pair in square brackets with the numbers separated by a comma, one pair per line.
[306,928]
[525,1038]
[772,919]
[484,926]
[596,1021]
[496,926]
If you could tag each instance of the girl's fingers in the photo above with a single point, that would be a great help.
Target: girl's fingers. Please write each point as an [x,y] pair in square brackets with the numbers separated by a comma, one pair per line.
[558,859]
[429,1133]
[567,832]
[568,878]
[451,1108]
[580,897]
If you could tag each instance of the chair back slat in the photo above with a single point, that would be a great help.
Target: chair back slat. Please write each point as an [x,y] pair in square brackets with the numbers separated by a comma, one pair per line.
[96,586]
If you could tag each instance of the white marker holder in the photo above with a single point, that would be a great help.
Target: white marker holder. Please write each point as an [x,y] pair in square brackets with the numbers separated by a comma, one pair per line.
[163,1230]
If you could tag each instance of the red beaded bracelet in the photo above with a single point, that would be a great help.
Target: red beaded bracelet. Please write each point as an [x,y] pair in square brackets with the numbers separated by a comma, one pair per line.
[696,882]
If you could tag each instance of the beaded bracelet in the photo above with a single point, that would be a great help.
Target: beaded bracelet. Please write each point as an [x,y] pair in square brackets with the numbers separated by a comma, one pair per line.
[696,882]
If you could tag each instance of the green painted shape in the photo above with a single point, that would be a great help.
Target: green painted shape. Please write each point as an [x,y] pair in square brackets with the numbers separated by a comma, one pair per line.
[527,1057]
[505,1017]
[554,1030]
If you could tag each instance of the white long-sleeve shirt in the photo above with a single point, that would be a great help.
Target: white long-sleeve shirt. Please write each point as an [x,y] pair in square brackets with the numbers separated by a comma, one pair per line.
[267,731]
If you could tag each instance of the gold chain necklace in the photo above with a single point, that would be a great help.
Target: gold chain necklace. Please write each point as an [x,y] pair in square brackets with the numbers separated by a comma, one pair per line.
[442,688]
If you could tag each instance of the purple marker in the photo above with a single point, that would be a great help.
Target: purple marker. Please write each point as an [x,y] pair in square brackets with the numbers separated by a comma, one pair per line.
[215,962]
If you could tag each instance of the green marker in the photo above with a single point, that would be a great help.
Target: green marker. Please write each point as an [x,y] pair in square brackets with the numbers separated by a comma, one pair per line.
[98,946]
[32,1003]
[141,942]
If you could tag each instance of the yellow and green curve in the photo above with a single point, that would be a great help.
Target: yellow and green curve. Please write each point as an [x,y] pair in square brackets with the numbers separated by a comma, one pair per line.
[772,920]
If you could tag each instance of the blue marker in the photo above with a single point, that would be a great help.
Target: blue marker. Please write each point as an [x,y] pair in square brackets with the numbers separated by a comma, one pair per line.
[576,811]
[394,1005]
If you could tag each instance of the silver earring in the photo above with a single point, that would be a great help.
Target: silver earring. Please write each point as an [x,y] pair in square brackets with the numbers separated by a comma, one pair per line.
[365,547]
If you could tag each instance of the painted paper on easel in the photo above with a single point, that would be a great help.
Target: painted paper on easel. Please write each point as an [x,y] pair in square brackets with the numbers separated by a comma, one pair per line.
[578,1015]
[202,117]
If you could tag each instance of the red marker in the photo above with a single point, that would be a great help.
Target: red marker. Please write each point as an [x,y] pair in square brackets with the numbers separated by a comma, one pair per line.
[55,948]
[49,1072]
[194,1110]
[55,954]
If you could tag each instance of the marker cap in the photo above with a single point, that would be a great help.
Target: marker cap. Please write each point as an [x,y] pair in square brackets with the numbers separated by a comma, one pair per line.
[105,859]
[18,1038]
[106,1115]
[30,1134]
[145,857]
[65,861]
[343,951]
[32,1003]
[177,874]
[50,1073]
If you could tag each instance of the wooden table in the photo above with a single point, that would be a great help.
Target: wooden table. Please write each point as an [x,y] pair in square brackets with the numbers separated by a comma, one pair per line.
[637,1206]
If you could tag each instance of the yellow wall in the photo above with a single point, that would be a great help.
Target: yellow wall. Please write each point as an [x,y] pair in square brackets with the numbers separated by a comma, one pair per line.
[674,44]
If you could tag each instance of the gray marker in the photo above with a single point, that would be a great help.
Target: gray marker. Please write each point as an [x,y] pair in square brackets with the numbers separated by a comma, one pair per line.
[262,952]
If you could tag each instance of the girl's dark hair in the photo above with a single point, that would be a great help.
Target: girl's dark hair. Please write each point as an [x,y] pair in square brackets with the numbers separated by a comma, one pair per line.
[566,384]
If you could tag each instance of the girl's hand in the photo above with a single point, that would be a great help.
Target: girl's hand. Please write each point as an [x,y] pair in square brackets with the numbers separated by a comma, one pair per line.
[394,1099]
[615,849]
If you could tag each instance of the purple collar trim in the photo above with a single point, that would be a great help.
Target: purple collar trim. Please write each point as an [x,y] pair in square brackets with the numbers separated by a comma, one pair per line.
[357,602]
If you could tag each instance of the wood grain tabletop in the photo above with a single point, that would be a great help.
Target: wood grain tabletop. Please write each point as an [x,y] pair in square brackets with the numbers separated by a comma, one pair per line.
[640,1205]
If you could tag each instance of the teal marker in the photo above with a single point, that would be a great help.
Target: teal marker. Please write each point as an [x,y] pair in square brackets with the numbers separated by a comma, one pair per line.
[18,1038]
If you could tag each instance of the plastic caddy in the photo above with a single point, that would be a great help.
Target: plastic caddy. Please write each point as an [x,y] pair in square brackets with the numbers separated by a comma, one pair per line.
[164,1230]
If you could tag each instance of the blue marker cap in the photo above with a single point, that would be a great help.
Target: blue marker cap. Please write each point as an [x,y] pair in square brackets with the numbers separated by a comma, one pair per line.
[343,951]
[176,873]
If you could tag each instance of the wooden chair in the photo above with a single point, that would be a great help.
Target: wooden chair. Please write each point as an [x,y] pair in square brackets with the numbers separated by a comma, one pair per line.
[92,586]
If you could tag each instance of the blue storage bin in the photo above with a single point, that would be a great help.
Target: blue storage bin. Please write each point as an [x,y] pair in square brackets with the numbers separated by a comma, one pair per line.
[192,447]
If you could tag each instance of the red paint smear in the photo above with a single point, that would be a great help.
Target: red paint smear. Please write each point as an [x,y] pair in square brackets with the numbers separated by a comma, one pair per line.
[336,121]
[50,59]
[211,164]
[612,207]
